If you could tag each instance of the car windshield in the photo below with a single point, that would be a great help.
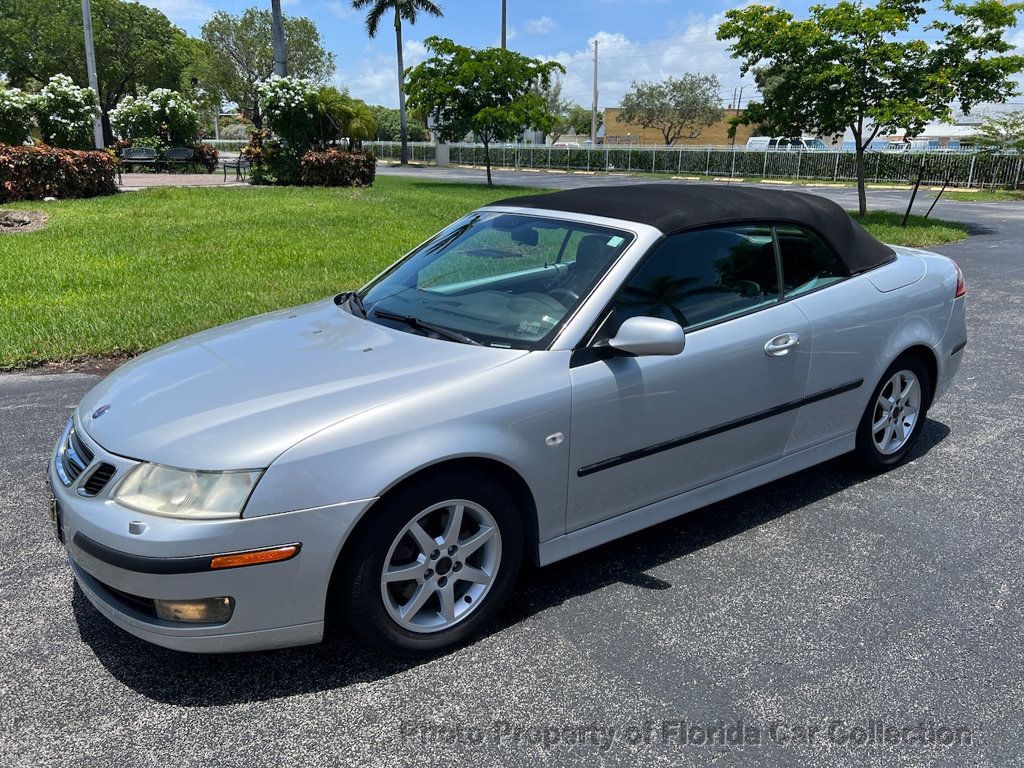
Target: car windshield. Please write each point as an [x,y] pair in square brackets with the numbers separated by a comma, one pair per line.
[500,279]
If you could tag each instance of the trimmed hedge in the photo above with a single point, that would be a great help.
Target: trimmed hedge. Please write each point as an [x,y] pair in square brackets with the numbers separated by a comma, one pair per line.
[335,168]
[32,173]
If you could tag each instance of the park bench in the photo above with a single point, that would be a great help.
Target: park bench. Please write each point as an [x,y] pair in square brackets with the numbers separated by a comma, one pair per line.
[239,164]
[178,156]
[136,156]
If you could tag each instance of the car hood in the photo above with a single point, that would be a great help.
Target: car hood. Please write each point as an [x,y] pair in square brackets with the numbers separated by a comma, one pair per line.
[237,396]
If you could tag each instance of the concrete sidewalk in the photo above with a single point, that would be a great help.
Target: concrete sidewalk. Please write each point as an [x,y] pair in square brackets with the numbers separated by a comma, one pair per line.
[133,181]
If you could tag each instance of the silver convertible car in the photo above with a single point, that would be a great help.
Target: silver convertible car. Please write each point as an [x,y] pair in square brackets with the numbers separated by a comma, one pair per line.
[547,374]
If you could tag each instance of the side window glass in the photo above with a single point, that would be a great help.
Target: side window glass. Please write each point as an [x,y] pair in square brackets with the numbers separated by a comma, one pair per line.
[807,263]
[703,276]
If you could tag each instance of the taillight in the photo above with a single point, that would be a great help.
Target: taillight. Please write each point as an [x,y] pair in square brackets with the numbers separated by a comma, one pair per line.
[961,286]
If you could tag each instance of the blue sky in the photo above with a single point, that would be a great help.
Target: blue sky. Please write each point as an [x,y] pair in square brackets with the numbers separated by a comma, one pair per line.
[639,39]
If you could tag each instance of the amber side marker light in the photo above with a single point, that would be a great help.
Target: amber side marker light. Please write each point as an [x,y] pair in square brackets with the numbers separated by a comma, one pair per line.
[255,557]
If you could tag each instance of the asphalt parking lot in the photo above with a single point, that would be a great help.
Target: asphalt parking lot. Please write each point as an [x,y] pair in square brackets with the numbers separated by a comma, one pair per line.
[798,619]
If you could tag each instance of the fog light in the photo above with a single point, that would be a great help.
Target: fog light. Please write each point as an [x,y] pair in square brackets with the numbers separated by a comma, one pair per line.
[207,610]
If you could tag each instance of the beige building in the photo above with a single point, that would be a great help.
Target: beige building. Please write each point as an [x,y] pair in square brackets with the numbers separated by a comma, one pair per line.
[716,135]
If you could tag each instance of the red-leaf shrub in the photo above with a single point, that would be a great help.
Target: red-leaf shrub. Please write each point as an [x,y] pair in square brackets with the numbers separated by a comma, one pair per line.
[206,156]
[335,168]
[32,173]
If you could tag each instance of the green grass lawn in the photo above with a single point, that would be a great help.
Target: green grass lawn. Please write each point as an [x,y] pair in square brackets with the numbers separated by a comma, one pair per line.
[129,272]
[985,195]
[919,232]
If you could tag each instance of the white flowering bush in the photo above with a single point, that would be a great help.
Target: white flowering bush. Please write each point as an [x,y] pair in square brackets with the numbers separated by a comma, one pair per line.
[164,114]
[66,113]
[16,111]
[289,107]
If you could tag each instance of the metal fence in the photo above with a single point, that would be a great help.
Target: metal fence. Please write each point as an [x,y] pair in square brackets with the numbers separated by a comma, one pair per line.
[958,169]
[226,145]
[419,151]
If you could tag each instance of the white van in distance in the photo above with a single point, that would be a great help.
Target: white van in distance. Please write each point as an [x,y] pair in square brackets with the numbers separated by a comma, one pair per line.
[785,143]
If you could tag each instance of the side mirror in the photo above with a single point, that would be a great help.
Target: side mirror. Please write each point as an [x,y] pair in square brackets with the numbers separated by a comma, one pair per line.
[643,336]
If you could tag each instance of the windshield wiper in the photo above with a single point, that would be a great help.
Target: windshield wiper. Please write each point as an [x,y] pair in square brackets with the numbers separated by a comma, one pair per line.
[353,299]
[423,325]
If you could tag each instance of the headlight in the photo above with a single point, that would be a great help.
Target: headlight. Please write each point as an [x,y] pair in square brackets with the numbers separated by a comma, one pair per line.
[183,493]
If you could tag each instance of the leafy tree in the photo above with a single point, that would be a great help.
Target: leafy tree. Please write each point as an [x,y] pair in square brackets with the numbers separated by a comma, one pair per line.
[677,107]
[137,47]
[765,122]
[851,66]
[406,10]
[243,57]
[489,92]
[389,125]
[1001,133]
[572,119]
[556,106]
[578,120]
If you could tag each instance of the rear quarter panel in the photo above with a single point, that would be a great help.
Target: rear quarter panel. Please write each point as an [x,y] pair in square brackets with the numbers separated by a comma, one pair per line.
[858,329]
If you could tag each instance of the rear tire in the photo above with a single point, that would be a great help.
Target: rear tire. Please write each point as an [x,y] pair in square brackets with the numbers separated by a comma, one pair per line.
[410,584]
[895,414]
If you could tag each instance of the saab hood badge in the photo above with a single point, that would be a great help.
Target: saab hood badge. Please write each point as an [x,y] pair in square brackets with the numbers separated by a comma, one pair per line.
[100,411]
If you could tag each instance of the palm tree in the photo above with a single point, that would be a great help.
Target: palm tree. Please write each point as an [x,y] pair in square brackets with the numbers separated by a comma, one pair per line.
[403,9]
[277,39]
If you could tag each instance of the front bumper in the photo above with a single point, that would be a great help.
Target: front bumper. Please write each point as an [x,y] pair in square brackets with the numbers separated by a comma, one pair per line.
[275,604]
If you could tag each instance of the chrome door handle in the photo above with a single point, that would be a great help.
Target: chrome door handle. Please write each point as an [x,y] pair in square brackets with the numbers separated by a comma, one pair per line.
[781,344]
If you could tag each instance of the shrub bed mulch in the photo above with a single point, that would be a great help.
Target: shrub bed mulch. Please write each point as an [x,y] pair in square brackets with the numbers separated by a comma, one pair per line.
[16,222]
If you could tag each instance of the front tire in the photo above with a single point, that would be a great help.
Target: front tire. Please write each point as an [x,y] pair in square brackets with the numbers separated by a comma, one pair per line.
[895,415]
[433,564]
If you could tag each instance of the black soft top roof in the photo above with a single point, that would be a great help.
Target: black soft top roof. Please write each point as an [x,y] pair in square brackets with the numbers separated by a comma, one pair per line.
[676,207]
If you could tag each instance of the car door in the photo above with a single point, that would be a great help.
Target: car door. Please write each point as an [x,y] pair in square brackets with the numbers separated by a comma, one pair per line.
[848,322]
[648,428]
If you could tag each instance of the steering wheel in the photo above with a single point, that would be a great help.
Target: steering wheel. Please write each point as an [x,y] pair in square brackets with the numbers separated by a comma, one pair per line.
[565,296]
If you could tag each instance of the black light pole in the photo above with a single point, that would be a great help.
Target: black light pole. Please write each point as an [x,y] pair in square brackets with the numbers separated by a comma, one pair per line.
[504,23]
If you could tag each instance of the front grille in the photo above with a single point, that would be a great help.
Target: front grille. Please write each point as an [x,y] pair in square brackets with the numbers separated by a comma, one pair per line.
[75,456]
[98,480]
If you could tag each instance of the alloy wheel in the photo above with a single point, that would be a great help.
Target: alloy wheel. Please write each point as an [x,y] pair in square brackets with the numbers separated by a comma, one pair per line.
[896,412]
[441,566]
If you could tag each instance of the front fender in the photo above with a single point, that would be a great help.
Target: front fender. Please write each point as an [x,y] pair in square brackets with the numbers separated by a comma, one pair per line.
[505,414]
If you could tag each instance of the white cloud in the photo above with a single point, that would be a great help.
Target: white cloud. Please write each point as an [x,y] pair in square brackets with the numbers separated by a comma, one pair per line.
[182,10]
[539,26]
[413,52]
[376,82]
[621,61]
[341,9]
[692,49]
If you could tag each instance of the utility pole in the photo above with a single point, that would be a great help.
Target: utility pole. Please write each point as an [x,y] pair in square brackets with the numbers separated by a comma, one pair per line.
[90,65]
[504,24]
[277,38]
[593,110]
[739,98]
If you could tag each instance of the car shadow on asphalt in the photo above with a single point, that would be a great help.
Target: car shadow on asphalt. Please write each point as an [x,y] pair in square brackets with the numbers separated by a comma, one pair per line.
[195,680]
